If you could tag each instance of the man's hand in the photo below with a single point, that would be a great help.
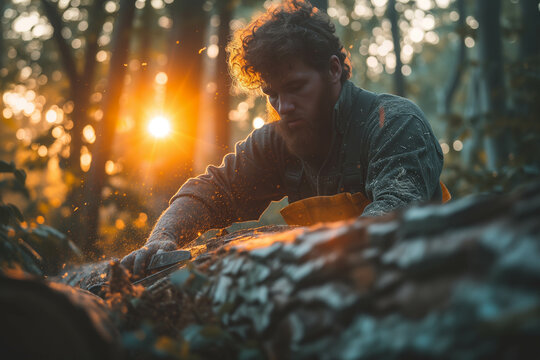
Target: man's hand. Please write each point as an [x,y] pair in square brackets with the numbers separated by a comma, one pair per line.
[138,260]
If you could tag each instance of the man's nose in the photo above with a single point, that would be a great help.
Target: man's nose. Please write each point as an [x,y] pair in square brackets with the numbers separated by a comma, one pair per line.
[285,105]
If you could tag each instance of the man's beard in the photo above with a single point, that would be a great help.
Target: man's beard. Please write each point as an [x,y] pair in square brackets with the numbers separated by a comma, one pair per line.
[312,141]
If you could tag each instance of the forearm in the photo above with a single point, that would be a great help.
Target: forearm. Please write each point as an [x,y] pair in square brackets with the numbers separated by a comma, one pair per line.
[181,223]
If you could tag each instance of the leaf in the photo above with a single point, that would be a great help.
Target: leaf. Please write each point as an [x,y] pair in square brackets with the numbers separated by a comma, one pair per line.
[5,214]
[20,175]
[15,212]
[6,167]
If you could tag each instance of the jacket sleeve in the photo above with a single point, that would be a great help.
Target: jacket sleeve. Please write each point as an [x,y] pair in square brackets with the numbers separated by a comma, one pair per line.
[237,190]
[404,159]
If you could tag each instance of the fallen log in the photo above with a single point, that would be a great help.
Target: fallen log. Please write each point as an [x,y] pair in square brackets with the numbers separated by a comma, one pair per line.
[453,281]
[54,321]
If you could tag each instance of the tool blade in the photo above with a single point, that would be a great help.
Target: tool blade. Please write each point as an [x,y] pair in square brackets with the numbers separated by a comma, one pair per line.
[168,258]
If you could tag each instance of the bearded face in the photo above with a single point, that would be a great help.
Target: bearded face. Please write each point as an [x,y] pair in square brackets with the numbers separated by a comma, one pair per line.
[300,100]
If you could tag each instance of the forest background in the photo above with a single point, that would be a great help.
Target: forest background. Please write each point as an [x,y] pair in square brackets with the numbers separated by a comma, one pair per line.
[109,106]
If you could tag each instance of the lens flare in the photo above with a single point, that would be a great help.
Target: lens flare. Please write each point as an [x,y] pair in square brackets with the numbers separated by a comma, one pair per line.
[159,127]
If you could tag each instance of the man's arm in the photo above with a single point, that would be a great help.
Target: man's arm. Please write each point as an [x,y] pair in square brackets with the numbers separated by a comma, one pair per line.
[238,190]
[404,159]
[177,226]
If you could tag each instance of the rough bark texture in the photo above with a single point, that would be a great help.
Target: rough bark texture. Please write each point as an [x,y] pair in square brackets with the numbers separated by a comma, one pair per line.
[450,281]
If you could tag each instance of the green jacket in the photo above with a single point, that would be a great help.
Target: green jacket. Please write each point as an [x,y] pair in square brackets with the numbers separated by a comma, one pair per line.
[382,146]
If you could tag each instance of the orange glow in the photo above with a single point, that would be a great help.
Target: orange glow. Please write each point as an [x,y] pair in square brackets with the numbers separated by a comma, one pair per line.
[42,151]
[120,224]
[258,122]
[141,220]
[89,134]
[159,127]
[161,78]
[212,51]
[51,116]
[86,160]
[109,167]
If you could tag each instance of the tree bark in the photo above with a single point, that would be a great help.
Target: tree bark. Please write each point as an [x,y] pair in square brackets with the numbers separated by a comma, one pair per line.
[427,282]
[393,16]
[105,129]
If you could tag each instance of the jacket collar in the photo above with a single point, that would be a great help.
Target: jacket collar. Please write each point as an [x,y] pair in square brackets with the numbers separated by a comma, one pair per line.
[343,107]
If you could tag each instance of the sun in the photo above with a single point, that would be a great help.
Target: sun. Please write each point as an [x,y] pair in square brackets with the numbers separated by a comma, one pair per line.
[159,127]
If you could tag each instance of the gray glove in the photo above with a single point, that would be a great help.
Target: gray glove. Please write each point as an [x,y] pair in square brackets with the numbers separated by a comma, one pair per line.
[138,260]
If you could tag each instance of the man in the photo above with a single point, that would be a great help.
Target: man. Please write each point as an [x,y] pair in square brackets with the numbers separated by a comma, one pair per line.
[325,136]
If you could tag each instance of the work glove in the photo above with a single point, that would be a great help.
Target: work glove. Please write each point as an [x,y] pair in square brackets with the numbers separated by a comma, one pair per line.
[138,260]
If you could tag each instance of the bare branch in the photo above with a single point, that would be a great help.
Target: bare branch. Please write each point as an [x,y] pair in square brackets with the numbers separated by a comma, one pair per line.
[68,59]
[95,21]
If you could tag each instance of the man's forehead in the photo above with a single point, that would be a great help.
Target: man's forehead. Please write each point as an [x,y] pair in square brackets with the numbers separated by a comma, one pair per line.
[285,72]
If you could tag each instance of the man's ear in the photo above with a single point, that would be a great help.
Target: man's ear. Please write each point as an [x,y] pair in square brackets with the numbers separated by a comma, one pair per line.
[335,69]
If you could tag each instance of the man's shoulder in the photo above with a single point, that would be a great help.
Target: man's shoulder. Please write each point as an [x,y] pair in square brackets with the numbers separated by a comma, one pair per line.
[395,106]
[264,139]
[392,105]
[266,134]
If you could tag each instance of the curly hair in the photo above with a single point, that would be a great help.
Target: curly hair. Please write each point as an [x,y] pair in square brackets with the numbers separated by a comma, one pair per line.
[294,29]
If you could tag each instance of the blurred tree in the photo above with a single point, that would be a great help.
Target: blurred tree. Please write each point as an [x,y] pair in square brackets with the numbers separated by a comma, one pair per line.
[492,95]
[393,16]
[106,128]
[143,81]
[81,86]
[222,99]
[529,45]
[2,46]
[460,62]
[81,82]
[183,91]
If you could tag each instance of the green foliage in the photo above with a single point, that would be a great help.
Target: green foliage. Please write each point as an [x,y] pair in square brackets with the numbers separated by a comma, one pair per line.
[38,249]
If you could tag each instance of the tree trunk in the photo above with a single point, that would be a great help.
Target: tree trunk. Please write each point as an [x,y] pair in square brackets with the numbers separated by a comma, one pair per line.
[105,130]
[2,46]
[183,87]
[80,90]
[221,118]
[393,16]
[492,89]
[84,86]
[461,60]
[529,45]
[429,282]
[143,97]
